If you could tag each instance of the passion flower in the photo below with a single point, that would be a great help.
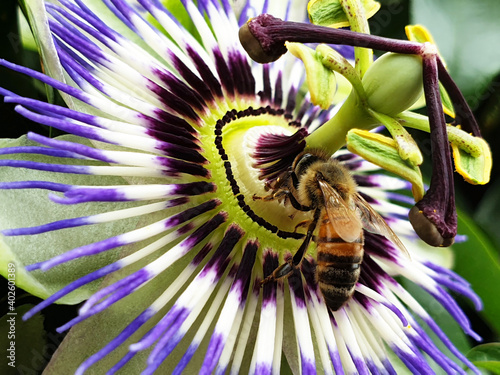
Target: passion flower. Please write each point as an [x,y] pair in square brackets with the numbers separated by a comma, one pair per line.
[179,132]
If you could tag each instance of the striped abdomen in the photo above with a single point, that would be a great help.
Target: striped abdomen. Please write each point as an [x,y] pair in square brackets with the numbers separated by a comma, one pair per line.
[338,265]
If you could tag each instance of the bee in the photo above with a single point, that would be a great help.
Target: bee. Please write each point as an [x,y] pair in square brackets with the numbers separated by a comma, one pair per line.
[317,183]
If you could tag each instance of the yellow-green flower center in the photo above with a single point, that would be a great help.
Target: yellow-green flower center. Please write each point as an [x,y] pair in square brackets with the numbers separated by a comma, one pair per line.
[238,176]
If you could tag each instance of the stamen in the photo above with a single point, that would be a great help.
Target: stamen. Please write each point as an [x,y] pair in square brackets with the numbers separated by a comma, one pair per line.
[264,37]
[434,217]
[463,112]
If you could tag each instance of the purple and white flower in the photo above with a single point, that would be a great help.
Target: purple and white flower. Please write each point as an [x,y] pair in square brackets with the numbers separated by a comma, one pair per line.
[191,129]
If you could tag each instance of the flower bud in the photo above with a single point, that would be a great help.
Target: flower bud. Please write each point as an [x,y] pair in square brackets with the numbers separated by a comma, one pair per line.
[393,83]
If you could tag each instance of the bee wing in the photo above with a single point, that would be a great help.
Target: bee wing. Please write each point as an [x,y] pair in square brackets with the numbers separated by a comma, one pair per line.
[374,223]
[345,220]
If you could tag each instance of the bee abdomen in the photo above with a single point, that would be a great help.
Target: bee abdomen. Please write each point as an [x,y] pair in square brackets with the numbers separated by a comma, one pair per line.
[337,277]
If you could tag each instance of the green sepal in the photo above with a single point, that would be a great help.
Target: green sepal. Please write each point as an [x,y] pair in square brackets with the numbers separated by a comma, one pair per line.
[408,149]
[32,207]
[320,80]
[486,356]
[36,15]
[383,151]
[331,13]
[110,322]
[39,24]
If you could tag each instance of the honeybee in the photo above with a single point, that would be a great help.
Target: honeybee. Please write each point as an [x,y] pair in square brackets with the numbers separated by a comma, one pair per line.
[317,183]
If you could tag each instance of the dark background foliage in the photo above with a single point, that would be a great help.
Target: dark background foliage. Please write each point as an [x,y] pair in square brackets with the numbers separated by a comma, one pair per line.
[468,35]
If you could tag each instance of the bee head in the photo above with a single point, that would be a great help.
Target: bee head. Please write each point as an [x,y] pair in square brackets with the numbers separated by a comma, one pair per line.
[304,160]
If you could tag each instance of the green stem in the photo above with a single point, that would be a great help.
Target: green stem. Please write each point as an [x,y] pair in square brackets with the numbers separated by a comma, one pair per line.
[331,136]
[358,22]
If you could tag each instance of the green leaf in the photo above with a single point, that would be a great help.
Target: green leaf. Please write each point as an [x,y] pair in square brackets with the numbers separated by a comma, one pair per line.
[31,207]
[466,33]
[486,356]
[29,341]
[487,214]
[477,261]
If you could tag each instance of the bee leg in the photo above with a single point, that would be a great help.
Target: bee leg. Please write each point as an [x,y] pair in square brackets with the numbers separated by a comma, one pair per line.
[295,203]
[264,198]
[282,271]
[270,197]
[286,269]
[297,258]
[268,186]
[301,224]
